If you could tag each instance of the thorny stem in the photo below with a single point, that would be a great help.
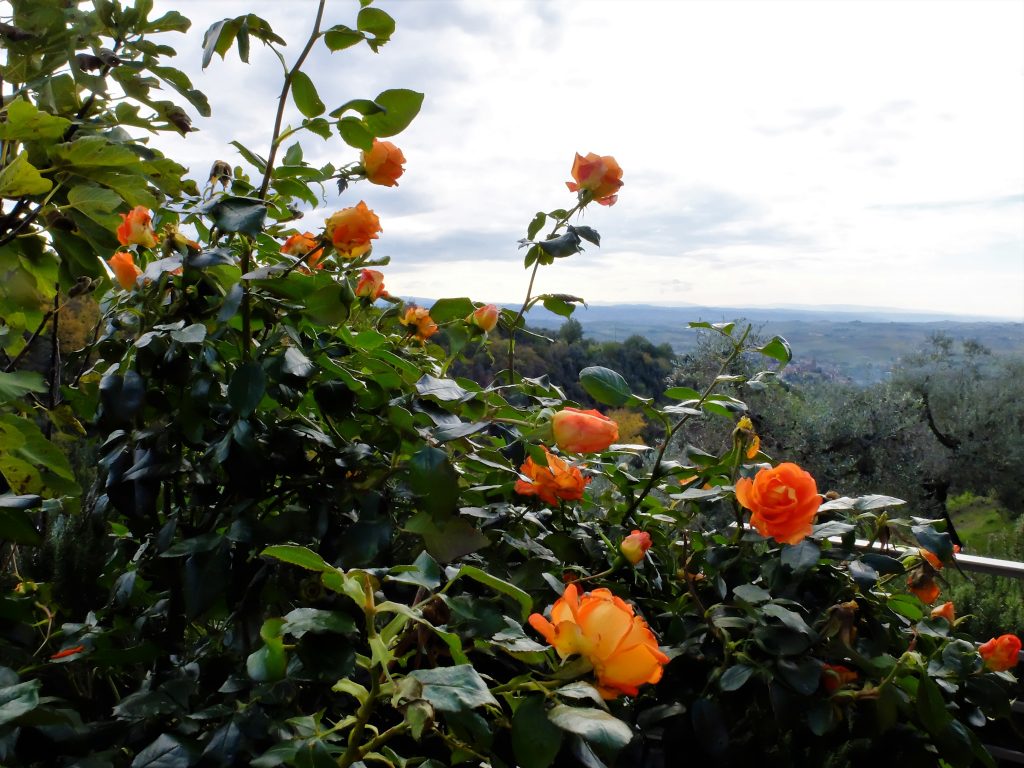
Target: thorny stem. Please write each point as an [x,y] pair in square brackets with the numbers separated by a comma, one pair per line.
[275,140]
[737,350]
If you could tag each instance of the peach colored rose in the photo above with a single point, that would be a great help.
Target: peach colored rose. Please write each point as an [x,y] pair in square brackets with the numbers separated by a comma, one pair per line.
[635,546]
[600,176]
[782,501]
[835,676]
[137,228]
[352,229]
[944,611]
[583,431]
[125,269]
[371,285]
[606,630]
[556,482]
[1001,653]
[485,317]
[924,587]
[418,319]
[383,163]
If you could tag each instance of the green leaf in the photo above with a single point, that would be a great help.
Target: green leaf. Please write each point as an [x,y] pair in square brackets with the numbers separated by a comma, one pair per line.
[535,739]
[302,620]
[934,541]
[401,107]
[305,95]
[94,151]
[682,393]
[777,349]
[446,539]
[18,384]
[594,725]
[190,334]
[30,463]
[931,707]
[339,37]
[247,387]
[424,572]
[445,310]
[355,133]
[26,122]
[801,557]
[443,390]
[453,689]
[96,202]
[16,527]
[167,751]
[605,385]
[236,214]
[734,677]
[19,178]
[19,699]
[498,585]
[300,556]
[906,606]
[536,225]
[375,22]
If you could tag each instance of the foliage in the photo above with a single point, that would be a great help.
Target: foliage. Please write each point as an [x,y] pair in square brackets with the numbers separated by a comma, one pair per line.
[298,540]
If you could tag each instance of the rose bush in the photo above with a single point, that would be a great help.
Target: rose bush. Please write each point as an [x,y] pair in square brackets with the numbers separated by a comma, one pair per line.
[255,521]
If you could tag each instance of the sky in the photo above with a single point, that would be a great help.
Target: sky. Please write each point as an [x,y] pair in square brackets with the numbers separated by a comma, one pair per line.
[775,153]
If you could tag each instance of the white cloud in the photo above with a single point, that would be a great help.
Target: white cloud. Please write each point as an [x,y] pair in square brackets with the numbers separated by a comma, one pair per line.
[774,152]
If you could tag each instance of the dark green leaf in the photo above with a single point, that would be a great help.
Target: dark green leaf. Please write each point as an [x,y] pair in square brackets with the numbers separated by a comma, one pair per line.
[18,384]
[934,541]
[505,588]
[535,739]
[18,699]
[16,526]
[168,751]
[237,214]
[595,725]
[444,390]
[588,233]
[296,555]
[302,620]
[734,677]
[801,557]
[777,349]
[247,387]
[605,385]
[453,689]
[424,572]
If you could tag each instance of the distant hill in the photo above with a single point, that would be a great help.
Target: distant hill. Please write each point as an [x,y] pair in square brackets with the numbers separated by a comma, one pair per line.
[858,343]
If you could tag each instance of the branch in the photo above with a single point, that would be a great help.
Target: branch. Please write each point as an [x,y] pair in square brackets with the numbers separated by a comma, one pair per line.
[283,99]
[949,441]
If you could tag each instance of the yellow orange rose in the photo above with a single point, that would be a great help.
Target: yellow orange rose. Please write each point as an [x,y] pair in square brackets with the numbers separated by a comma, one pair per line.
[125,269]
[371,285]
[484,318]
[383,163]
[583,431]
[1001,653]
[419,320]
[782,500]
[352,229]
[606,630]
[600,176]
[558,481]
[137,228]
[635,546]
[299,245]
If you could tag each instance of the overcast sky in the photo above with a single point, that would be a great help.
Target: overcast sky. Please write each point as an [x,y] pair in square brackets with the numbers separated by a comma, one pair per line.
[774,153]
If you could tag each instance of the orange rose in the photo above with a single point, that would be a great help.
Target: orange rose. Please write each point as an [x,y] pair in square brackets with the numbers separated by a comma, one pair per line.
[485,317]
[556,482]
[635,546]
[933,559]
[782,501]
[383,163]
[352,229]
[1000,653]
[606,630]
[835,676]
[125,269]
[583,431]
[299,245]
[371,285]
[137,228]
[600,176]
[944,611]
[418,318]
[924,587]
